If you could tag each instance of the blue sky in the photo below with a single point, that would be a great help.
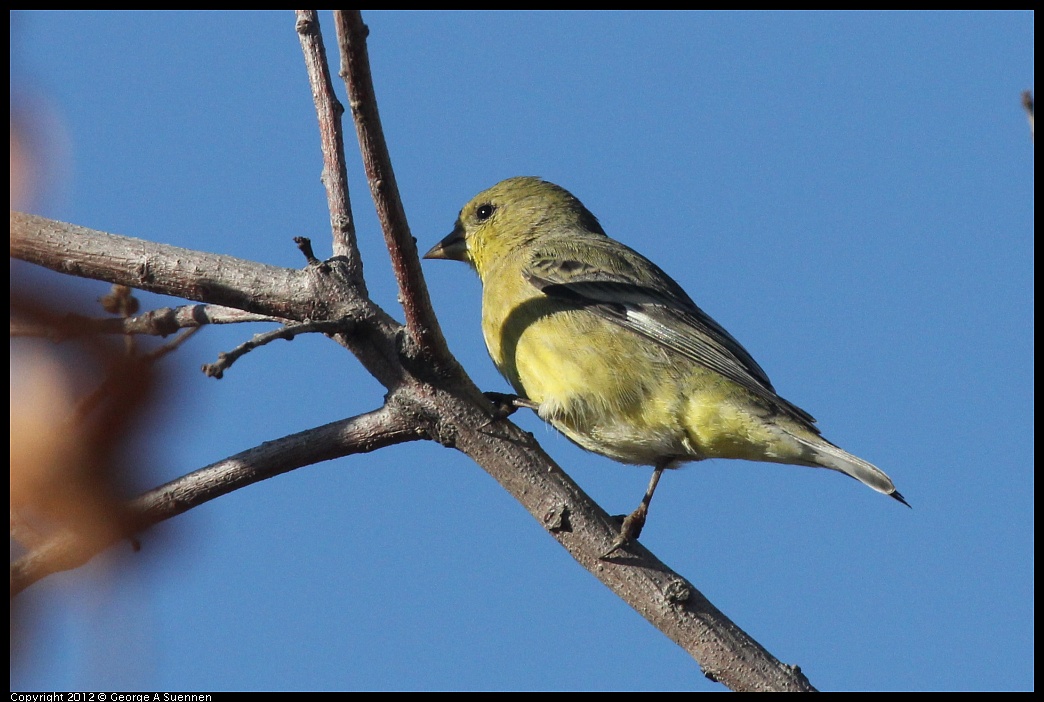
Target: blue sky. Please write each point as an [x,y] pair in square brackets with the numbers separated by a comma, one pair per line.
[850,194]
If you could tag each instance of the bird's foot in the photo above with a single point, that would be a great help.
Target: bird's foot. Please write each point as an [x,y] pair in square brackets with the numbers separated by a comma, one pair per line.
[505,404]
[630,529]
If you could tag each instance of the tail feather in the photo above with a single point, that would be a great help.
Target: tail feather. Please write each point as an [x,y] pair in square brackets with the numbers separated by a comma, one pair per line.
[827,455]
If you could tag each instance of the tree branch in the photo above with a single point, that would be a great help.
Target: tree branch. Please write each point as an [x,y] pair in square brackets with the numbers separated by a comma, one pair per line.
[360,434]
[287,333]
[667,600]
[413,292]
[161,322]
[319,292]
[331,137]
[160,268]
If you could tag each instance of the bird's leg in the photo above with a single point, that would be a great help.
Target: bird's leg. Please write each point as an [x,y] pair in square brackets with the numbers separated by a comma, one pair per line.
[633,522]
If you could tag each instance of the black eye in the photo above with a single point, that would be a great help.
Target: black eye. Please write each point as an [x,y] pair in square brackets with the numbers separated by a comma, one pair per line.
[484,212]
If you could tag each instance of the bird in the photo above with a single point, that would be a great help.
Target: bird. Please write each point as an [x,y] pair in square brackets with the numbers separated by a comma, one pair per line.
[614,354]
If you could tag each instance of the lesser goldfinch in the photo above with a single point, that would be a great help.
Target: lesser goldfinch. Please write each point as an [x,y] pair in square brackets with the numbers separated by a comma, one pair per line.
[613,353]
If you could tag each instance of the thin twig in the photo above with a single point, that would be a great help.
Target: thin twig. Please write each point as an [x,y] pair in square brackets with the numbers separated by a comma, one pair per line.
[161,322]
[289,332]
[304,245]
[331,134]
[421,323]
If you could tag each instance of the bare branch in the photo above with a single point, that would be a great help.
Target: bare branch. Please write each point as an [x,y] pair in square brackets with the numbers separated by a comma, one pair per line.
[316,293]
[331,136]
[225,360]
[667,600]
[413,293]
[360,434]
[161,322]
[159,268]
[170,346]
[321,292]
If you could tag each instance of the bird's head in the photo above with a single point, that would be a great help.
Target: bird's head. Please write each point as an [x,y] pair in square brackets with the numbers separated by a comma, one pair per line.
[514,212]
